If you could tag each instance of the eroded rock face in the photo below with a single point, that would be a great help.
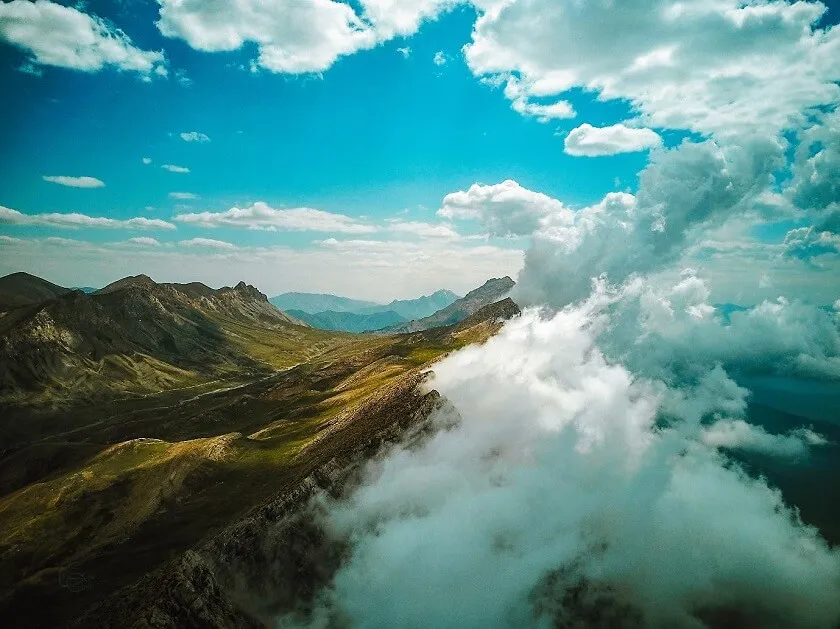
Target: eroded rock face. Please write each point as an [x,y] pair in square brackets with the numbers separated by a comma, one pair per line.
[275,559]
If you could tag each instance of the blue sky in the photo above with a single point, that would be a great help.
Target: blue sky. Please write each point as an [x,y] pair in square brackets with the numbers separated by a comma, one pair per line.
[381,134]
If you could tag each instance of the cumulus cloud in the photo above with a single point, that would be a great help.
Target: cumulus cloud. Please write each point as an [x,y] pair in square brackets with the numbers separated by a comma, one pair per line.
[816,171]
[75,182]
[589,141]
[505,209]
[439,59]
[65,37]
[194,136]
[405,52]
[147,160]
[680,190]
[183,196]
[709,66]
[294,37]
[175,169]
[261,216]
[806,243]
[74,220]
[552,494]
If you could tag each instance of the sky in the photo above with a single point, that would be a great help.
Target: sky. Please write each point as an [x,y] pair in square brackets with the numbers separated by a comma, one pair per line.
[381,149]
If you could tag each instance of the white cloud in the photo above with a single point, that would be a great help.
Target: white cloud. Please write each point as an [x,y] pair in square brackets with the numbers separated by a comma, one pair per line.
[523,104]
[680,191]
[144,240]
[424,230]
[175,169]
[712,66]
[738,434]
[806,243]
[147,160]
[401,17]
[551,473]
[183,196]
[75,220]
[291,36]
[590,141]
[75,182]
[194,136]
[439,59]
[505,209]
[65,37]
[405,52]
[209,243]
[261,216]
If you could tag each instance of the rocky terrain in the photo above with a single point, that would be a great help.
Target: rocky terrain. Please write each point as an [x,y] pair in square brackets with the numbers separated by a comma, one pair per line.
[180,502]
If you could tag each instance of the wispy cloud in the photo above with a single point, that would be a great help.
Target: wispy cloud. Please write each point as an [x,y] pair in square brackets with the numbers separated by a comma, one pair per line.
[76,220]
[209,243]
[263,217]
[75,182]
[144,240]
[405,52]
[183,196]
[175,169]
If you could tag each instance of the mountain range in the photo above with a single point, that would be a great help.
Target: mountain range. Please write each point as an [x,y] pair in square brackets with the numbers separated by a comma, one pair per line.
[331,312]
[152,434]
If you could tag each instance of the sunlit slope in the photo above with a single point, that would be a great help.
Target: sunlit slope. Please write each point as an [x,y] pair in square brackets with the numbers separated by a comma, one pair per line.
[114,489]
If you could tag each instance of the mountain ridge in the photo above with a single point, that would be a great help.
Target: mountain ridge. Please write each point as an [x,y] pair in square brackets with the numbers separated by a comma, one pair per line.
[491,291]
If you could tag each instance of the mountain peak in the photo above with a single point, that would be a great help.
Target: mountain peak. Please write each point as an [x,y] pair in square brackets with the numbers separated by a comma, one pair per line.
[132,281]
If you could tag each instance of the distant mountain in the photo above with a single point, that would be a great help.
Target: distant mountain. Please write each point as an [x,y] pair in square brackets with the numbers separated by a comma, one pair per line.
[85,289]
[136,334]
[418,308]
[348,321]
[23,289]
[320,302]
[492,291]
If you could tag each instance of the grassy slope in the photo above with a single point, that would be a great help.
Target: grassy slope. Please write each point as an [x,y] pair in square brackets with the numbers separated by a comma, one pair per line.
[114,489]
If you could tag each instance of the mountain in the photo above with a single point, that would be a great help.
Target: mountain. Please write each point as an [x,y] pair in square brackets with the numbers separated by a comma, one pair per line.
[320,302]
[138,335]
[152,436]
[85,289]
[418,308]
[23,289]
[348,321]
[491,291]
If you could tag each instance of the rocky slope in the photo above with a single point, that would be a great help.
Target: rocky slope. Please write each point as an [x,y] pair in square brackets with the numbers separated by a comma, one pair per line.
[184,507]
[134,335]
[23,289]
[491,291]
